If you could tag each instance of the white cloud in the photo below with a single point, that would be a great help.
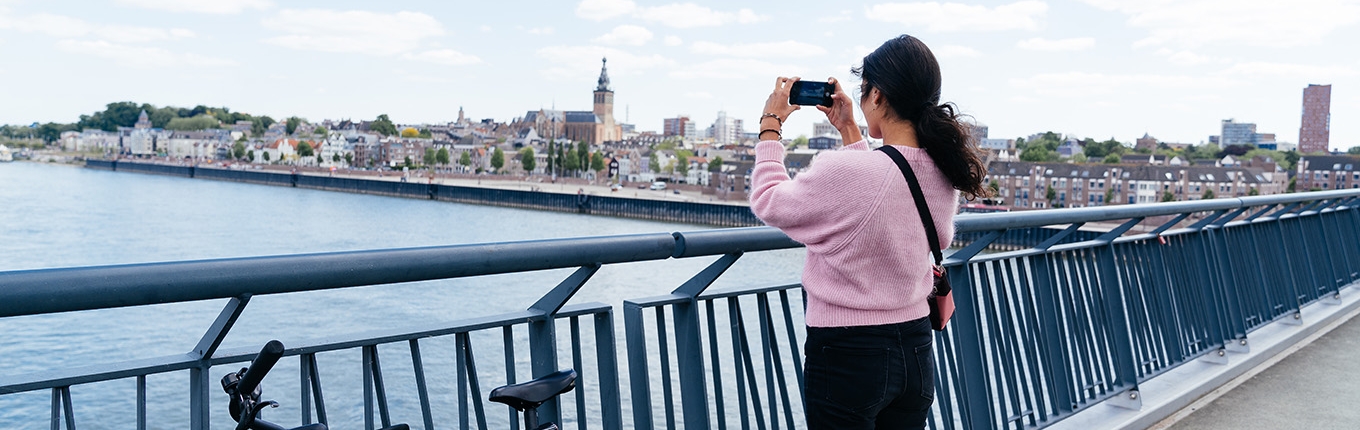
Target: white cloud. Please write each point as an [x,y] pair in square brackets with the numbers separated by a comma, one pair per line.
[446,57]
[690,15]
[701,95]
[485,28]
[140,56]
[1187,58]
[785,49]
[631,35]
[541,31]
[735,68]
[351,31]
[575,63]
[202,6]
[951,51]
[1052,45]
[1193,23]
[67,27]
[943,17]
[843,16]
[677,15]
[1261,68]
[600,10]
[673,41]
[1086,84]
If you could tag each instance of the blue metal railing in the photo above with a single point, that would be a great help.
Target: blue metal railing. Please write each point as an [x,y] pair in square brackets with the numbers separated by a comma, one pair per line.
[1039,333]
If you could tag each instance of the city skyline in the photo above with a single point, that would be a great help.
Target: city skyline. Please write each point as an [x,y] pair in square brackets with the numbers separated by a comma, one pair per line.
[1094,69]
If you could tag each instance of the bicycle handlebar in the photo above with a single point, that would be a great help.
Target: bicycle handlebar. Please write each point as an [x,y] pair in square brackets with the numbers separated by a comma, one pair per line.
[260,366]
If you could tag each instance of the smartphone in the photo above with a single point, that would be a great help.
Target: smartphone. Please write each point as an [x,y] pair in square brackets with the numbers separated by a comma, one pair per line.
[810,93]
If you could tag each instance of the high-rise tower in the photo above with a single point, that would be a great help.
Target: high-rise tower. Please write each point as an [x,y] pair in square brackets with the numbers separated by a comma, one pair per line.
[1315,129]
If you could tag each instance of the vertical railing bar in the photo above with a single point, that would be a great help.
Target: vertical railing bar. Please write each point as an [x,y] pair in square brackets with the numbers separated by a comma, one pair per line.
[473,381]
[1033,356]
[68,407]
[417,362]
[795,357]
[304,388]
[635,334]
[992,332]
[716,365]
[56,408]
[762,311]
[663,345]
[734,327]
[1026,395]
[368,388]
[576,363]
[778,362]
[606,357]
[508,338]
[756,410]
[380,388]
[460,363]
[316,389]
[141,402]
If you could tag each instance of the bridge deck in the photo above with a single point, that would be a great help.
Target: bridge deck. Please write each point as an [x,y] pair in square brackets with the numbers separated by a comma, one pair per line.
[1315,387]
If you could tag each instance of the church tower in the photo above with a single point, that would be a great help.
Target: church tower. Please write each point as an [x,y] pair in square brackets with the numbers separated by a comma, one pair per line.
[604,106]
[143,121]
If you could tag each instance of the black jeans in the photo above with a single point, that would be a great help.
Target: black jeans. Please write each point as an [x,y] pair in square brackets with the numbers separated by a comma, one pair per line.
[869,377]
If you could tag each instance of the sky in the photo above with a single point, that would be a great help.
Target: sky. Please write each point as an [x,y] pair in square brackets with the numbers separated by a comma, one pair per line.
[1090,68]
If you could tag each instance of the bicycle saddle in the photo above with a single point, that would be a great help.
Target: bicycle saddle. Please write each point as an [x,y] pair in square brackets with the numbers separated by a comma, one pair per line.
[530,395]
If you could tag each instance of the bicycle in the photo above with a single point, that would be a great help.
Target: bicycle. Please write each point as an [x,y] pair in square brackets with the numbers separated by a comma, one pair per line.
[243,388]
[526,397]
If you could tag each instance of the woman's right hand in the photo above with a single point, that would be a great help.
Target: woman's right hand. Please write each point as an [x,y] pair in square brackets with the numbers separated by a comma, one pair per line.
[841,114]
[778,104]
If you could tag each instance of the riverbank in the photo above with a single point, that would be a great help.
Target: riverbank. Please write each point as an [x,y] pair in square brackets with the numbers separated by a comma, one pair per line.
[566,196]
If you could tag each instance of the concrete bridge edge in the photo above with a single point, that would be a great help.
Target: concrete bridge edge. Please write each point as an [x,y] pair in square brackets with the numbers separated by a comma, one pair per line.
[1178,392]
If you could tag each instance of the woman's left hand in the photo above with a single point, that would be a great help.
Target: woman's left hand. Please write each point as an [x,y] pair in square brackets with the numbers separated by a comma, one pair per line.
[841,114]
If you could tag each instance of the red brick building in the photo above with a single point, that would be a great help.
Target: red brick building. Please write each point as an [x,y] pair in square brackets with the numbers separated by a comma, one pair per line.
[1315,129]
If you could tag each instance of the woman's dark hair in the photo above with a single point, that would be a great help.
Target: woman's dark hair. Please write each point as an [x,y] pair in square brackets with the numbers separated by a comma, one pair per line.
[906,73]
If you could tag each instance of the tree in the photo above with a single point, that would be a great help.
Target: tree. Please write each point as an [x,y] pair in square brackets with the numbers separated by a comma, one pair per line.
[995,187]
[1292,182]
[430,156]
[1168,197]
[260,125]
[498,160]
[1079,158]
[1112,159]
[266,156]
[335,157]
[526,160]
[1109,196]
[582,155]
[291,124]
[1038,154]
[425,134]
[653,163]
[409,132]
[1354,150]
[465,160]
[681,163]
[238,150]
[1208,194]
[801,140]
[305,149]
[597,161]
[349,158]
[250,155]
[318,159]
[715,165]
[383,125]
[319,130]
[1253,192]
[201,122]
[1051,195]
[407,162]
[442,157]
[571,162]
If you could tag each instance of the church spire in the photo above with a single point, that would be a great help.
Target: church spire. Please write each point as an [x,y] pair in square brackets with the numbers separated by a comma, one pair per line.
[604,76]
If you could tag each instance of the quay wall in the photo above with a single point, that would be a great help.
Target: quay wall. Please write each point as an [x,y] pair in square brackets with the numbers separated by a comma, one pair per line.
[659,210]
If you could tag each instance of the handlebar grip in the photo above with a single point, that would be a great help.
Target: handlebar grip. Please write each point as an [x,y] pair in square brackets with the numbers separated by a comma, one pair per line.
[260,366]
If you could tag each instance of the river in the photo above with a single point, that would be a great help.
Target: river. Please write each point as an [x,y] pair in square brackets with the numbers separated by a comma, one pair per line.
[63,216]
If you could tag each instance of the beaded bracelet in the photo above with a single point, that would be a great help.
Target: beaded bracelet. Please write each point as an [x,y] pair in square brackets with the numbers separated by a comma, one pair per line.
[776,132]
[776,118]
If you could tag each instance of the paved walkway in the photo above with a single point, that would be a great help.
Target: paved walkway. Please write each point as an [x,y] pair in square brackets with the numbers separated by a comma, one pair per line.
[1316,387]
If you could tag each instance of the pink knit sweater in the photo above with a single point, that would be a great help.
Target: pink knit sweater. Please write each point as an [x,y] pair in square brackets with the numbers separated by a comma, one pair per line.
[868,261]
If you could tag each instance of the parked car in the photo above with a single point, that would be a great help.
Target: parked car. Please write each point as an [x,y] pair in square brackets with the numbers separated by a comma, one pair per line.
[658,186]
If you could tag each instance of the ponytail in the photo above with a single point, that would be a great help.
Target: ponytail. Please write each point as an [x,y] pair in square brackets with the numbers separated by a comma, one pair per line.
[906,73]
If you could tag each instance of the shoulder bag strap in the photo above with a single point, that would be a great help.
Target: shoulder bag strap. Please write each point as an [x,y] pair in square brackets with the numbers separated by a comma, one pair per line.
[921,206]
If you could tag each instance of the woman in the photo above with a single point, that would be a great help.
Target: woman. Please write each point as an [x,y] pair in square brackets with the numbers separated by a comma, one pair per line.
[868,273]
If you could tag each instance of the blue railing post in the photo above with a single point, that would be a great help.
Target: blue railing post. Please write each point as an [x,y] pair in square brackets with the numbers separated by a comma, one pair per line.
[638,377]
[977,393]
[1112,290]
[543,332]
[689,344]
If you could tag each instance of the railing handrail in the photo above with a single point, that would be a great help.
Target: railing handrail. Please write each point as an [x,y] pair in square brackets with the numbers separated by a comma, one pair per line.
[41,291]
